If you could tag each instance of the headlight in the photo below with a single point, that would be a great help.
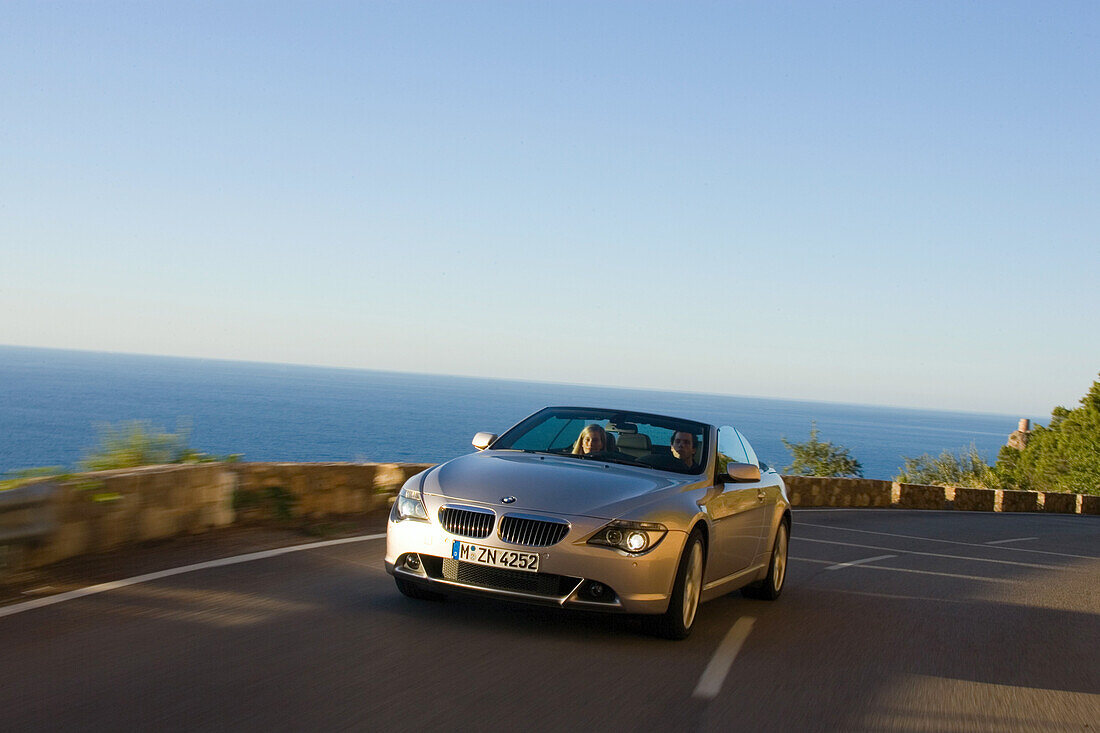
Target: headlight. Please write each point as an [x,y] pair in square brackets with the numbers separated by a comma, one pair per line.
[408,506]
[633,537]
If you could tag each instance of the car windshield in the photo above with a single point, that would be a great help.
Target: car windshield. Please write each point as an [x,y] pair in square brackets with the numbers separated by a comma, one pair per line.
[614,436]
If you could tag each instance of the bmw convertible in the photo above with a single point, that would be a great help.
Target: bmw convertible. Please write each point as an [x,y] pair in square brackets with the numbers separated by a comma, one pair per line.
[596,509]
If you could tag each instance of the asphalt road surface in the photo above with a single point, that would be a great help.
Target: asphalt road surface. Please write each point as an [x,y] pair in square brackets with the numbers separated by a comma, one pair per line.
[891,620]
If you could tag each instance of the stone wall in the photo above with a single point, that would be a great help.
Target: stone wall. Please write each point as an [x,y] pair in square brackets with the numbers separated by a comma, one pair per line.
[842,492]
[917,496]
[96,512]
[105,510]
[807,491]
[317,490]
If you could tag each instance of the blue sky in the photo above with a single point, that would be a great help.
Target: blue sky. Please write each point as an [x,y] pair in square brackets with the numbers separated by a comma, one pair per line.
[884,203]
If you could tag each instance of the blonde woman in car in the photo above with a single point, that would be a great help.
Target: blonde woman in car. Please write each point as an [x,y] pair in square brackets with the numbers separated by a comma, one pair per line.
[593,439]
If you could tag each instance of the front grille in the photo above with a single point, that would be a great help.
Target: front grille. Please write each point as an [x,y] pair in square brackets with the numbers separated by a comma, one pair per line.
[543,584]
[466,522]
[532,532]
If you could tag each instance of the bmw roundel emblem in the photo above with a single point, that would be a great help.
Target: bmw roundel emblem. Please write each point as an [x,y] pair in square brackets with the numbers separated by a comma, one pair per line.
[508,500]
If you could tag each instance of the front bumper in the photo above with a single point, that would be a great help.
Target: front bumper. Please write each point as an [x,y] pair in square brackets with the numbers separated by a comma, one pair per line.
[567,570]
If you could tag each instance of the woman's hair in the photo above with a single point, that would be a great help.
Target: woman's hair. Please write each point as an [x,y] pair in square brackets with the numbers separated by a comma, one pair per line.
[589,430]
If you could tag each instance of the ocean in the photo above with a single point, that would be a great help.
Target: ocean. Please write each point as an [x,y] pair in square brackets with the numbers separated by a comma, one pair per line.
[51,402]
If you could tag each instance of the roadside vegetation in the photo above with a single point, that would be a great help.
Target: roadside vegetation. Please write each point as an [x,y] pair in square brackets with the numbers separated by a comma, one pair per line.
[124,445]
[23,475]
[139,443]
[964,468]
[1064,456]
[821,458]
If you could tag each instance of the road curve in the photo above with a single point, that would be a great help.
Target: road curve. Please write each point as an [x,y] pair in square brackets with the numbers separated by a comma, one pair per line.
[891,620]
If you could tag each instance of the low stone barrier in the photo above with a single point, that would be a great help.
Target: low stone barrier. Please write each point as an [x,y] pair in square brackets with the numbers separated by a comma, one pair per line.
[105,510]
[975,500]
[810,491]
[95,512]
[100,511]
[316,490]
[1061,503]
[1020,501]
[841,492]
[917,496]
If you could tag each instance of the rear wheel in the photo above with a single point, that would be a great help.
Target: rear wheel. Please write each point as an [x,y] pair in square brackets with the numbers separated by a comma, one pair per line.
[771,586]
[676,622]
[412,590]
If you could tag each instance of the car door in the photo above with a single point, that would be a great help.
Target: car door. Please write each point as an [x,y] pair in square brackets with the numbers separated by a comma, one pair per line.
[736,511]
[767,493]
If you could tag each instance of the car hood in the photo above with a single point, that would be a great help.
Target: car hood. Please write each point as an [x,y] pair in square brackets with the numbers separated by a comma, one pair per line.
[546,483]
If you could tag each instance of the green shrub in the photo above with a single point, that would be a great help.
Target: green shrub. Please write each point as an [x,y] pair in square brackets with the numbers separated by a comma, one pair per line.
[138,443]
[1063,456]
[820,458]
[21,476]
[966,468]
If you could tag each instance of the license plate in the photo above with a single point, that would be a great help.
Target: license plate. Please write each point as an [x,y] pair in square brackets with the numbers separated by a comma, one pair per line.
[495,557]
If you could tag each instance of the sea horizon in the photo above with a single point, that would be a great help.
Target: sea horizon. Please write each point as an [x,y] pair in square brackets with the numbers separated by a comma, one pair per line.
[334,367]
[51,400]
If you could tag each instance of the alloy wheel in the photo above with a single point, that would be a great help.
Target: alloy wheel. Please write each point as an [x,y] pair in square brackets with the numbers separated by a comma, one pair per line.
[780,557]
[693,583]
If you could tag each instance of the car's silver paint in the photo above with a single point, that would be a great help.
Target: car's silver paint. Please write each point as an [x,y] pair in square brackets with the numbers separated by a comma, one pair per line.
[740,520]
[545,483]
[743,471]
[481,441]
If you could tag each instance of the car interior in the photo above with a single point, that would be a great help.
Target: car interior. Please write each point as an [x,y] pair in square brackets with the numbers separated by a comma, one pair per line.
[647,443]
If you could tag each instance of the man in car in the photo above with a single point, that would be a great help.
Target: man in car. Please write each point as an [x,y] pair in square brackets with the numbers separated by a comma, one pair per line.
[683,448]
[681,456]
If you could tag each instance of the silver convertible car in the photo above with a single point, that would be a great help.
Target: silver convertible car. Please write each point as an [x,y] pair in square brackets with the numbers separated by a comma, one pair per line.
[596,509]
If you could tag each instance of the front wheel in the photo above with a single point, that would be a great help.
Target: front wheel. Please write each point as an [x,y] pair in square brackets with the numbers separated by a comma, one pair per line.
[676,622]
[771,586]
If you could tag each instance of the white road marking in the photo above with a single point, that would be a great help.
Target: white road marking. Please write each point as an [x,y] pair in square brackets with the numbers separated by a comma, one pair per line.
[907,570]
[1018,539]
[894,596]
[835,509]
[933,554]
[710,683]
[949,542]
[220,562]
[841,565]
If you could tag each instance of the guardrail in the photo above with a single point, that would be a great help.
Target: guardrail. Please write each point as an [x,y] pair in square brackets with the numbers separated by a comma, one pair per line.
[26,517]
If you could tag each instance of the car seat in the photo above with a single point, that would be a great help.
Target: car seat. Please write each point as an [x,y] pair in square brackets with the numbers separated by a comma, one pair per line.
[634,444]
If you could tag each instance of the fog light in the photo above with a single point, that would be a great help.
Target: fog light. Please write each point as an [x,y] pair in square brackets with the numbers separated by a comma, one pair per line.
[598,592]
[412,562]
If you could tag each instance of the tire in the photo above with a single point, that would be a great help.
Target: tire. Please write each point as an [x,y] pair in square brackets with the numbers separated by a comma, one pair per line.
[683,605]
[412,590]
[771,586]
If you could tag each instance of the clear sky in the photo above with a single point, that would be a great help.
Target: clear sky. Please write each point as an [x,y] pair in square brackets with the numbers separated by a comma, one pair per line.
[874,202]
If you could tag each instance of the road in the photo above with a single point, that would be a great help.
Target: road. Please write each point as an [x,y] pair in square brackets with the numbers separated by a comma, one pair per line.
[890,621]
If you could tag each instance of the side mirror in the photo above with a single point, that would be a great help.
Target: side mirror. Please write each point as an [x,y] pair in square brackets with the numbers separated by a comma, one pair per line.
[739,472]
[481,441]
